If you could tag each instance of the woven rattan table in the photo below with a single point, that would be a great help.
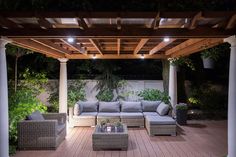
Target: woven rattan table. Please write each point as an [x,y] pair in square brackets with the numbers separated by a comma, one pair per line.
[110,140]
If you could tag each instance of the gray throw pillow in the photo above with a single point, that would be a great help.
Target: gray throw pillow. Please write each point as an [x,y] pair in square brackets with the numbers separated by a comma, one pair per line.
[131,106]
[150,106]
[109,106]
[88,106]
[163,109]
[35,116]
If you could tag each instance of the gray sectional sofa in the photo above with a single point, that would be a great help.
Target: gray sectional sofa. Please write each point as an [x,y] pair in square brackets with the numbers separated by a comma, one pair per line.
[150,114]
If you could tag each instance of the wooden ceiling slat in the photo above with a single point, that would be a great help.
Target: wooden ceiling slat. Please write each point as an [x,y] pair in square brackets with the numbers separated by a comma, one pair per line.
[193,23]
[141,43]
[231,22]
[156,21]
[96,45]
[82,23]
[44,23]
[160,46]
[75,46]
[197,46]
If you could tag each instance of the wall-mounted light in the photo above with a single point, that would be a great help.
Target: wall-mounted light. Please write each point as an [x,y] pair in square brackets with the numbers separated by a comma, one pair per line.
[142,56]
[166,39]
[94,56]
[70,40]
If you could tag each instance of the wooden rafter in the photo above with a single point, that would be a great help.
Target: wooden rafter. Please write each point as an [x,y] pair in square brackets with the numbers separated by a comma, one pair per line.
[115,56]
[199,32]
[82,23]
[4,22]
[118,47]
[96,45]
[197,46]
[51,45]
[160,46]
[45,23]
[156,21]
[193,22]
[141,43]
[231,22]
[75,47]
[30,44]
[186,43]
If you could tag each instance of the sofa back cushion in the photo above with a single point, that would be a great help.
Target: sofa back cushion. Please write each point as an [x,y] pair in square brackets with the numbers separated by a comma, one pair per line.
[131,106]
[85,106]
[163,109]
[109,106]
[35,116]
[150,106]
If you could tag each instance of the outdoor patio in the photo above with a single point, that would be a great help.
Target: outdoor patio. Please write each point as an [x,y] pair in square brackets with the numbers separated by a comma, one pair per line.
[197,139]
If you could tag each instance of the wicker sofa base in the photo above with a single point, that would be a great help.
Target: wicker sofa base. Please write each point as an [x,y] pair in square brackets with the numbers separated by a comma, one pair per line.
[111,119]
[161,129]
[131,122]
[88,121]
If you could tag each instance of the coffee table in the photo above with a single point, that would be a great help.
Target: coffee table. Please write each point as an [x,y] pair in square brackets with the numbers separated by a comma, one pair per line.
[114,139]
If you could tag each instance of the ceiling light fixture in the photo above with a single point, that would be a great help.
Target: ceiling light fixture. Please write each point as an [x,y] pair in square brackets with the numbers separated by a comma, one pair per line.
[166,39]
[70,40]
[142,56]
[94,56]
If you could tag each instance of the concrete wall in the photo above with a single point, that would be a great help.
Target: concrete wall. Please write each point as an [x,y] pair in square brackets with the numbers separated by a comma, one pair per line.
[133,86]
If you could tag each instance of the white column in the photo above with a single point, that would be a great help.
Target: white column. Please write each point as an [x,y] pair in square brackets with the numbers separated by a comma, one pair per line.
[232,99]
[63,86]
[4,133]
[173,86]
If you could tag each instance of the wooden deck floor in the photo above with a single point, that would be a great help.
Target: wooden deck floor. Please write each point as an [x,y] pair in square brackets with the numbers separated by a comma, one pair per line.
[198,139]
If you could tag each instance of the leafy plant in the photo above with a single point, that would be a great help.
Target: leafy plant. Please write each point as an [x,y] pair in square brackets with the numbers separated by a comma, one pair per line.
[181,106]
[105,95]
[213,53]
[181,61]
[154,95]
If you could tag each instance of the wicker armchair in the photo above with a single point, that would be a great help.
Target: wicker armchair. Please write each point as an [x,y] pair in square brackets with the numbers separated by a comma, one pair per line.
[42,134]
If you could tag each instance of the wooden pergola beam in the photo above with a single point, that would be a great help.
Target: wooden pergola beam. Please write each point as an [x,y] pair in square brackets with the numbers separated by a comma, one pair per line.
[115,56]
[194,20]
[231,22]
[156,21]
[118,47]
[96,45]
[199,32]
[82,23]
[196,47]
[75,47]
[160,46]
[141,43]
[51,45]
[4,22]
[44,23]
[184,44]
[30,44]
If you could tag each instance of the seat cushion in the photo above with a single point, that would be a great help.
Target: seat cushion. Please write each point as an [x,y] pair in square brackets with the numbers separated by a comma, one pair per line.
[60,128]
[163,109]
[150,106]
[161,120]
[107,115]
[131,115]
[150,114]
[131,106]
[109,106]
[86,115]
[35,116]
[88,106]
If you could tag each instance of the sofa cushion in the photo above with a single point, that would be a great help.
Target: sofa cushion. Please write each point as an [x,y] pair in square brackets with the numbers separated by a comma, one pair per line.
[131,115]
[88,106]
[150,106]
[109,106]
[131,106]
[35,116]
[160,120]
[86,115]
[60,128]
[149,114]
[107,115]
[163,109]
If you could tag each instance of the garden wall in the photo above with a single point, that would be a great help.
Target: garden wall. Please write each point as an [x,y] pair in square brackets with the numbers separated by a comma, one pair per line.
[133,86]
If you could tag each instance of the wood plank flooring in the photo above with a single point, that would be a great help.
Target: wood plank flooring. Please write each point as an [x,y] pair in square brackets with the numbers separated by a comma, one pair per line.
[197,139]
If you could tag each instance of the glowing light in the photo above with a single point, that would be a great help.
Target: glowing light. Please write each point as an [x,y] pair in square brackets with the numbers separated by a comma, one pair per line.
[70,40]
[142,56]
[166,39]
[94,56]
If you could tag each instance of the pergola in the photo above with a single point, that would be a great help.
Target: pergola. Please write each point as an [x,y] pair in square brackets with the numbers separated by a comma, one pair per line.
[117,35]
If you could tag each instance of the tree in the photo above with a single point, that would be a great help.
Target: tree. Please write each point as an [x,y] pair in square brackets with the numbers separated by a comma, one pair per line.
[165,74]
[16,52]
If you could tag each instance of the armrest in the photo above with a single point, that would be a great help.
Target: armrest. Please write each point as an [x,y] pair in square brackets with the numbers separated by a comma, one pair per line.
[37,128]
[60,117]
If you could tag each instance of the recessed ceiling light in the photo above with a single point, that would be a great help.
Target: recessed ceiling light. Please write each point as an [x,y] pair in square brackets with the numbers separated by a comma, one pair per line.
[166,39]
[70,40]
[94,56]
[142,56]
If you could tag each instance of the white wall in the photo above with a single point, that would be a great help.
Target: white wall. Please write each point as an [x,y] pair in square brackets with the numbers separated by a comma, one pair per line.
[132,85]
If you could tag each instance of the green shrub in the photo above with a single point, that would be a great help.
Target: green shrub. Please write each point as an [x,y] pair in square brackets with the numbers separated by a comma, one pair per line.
[181,106]
[153,95]
[105,95]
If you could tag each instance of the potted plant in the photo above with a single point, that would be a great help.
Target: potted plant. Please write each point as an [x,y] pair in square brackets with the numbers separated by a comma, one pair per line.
[209,56]
[181,113]
[180,61]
